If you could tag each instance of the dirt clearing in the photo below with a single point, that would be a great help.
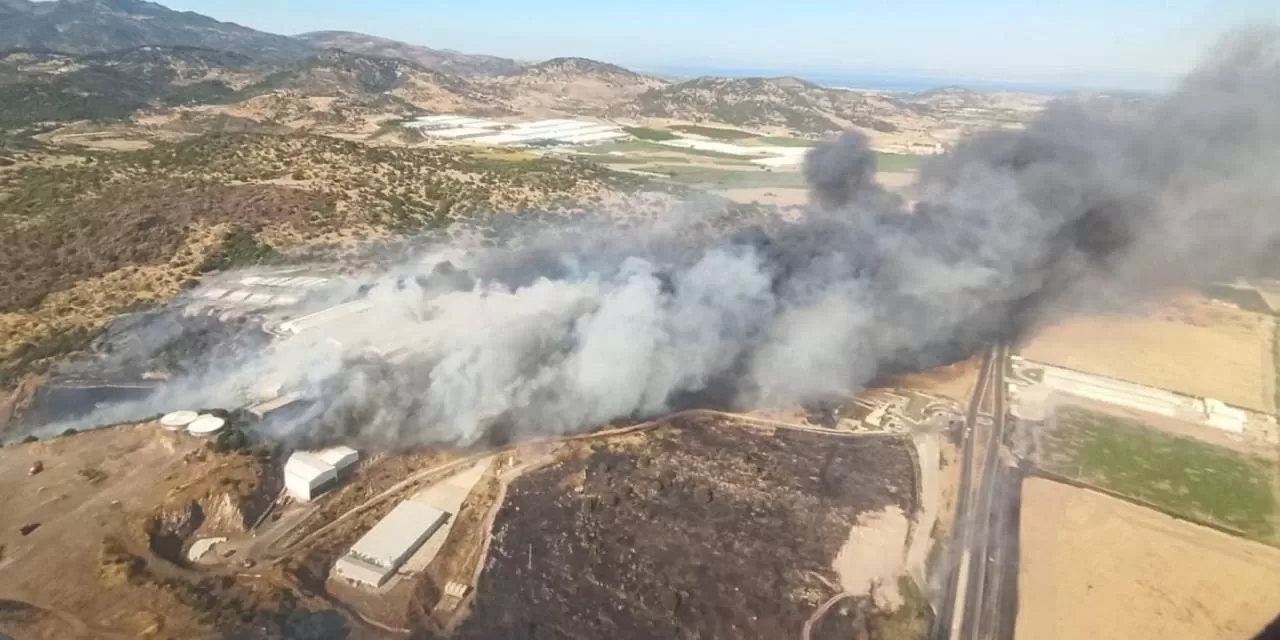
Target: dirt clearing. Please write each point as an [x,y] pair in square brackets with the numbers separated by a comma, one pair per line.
[1100,568]
[1190,345]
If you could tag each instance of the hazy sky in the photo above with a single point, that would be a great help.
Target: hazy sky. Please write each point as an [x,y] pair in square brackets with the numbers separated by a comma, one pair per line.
[1086,41]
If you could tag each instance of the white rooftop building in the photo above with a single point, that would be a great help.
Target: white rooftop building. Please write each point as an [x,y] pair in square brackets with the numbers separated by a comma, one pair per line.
[1220,416]
[380,552]
[340,458]
[307,475]
[345,311]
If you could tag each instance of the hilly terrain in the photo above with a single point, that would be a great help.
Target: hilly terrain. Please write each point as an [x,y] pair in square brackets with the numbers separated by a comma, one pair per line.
[141,146]
[442,60]
[95,26]
[91,236]
[795,106]
[574,85]
[37,87]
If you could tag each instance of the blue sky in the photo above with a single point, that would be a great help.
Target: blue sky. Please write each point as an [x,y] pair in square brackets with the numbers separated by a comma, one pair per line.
[1087,42]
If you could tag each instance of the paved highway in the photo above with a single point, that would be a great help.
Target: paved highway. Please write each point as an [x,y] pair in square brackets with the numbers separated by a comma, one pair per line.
[980,591]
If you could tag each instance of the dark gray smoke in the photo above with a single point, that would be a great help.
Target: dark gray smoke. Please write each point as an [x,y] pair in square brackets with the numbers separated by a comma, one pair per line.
[1092,204]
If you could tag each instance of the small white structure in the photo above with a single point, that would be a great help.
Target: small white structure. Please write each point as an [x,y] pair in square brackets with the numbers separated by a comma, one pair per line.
[307,475]
[377,555]
[178,420]
[345,312]
[1220,416]
[206,425]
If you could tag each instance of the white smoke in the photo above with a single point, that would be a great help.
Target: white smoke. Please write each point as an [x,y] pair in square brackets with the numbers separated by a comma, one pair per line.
[1088,205]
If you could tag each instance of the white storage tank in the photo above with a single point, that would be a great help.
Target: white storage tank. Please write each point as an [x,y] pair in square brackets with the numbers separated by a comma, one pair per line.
[178,420]
[206,425]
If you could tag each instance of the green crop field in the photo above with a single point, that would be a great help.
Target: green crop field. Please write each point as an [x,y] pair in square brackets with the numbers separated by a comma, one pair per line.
[710,177]
[1180,475]
[897,162]
[719,133]
[648,133]
[775,141]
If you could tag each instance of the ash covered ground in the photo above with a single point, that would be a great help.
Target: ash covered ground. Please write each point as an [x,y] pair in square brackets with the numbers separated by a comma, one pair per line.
[699,528]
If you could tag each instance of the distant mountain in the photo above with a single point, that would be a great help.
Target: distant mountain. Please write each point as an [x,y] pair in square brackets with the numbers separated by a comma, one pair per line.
[570,84]
[39,86]
[342,73]
[89,26]
[785,103]
[442,60]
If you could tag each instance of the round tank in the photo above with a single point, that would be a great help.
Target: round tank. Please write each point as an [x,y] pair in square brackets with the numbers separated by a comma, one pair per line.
[178,420]
[206,425]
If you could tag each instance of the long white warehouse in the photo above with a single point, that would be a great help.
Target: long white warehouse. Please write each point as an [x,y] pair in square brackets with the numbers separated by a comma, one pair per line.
[377,555]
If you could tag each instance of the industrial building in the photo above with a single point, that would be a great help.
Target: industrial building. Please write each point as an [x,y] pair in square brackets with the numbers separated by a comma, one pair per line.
[344,311]
[376,556]
[1043,379]
[309,474]
[264,293]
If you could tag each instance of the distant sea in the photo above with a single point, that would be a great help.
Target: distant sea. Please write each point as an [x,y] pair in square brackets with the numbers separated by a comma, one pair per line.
[872,82]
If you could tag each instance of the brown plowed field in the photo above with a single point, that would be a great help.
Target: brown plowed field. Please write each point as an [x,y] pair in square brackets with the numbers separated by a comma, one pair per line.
[1190,345]
[1097,567]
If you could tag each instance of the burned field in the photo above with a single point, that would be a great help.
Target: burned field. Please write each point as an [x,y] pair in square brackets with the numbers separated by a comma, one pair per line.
[698,528]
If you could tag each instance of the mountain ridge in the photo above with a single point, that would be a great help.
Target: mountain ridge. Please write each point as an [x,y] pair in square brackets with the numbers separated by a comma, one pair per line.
[96,26]
[443,60]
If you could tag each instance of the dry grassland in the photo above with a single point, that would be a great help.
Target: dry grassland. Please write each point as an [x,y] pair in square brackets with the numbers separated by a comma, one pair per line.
[1101,568]
[1189,345]
[955,381]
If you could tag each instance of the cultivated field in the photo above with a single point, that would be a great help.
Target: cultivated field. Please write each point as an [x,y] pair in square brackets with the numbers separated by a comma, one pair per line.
[1190,345]
[1100,568]
[1184,476]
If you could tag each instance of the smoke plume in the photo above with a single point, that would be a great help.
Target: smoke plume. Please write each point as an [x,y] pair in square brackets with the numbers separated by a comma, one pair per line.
[1094,203]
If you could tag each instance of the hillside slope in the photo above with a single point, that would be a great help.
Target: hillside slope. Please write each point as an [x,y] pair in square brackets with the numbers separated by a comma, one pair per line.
[89,237]
[89,26]
[43,87]
[442,60]
[786,103]
[569,84]
[40,87]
